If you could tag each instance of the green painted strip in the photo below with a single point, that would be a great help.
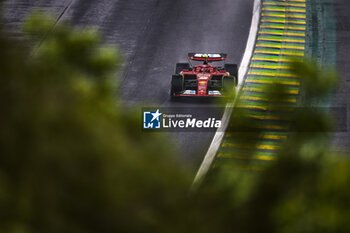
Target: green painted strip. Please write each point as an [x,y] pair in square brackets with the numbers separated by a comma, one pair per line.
[276,24]
[282,32]
[264,86]
[270,143]
[278,53]
[277,66]
[258,165]
[273,79]
[260,95]
[276,72]
[283,15]
[284,9]
[250,103]
[287,38]
[244,157]
[279,20]
[279,8]
[277,58]
[283,18]
[261,71]
[279,50]
[285,3]
[281,44]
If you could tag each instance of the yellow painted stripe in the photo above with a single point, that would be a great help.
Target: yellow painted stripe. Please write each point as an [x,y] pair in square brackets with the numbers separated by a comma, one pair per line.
[265,136]
[274,137]
[282,33]
[281,51]
[284,15]
[264,108]
[282,27]
[286,1]
[265,99]
[294,92]
[252,107]
[247,146]
[271,59]
[283,4]
[297,0]
[270,67]
[284,10]
[273,127]
[271,82]
[272,74]
[299,54]
[282,21]
[283,40]
[253,98]
[255,157]
[275,118]
[281,46]
[291,100]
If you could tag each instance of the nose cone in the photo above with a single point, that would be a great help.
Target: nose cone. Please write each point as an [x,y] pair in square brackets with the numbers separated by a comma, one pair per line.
[202,83]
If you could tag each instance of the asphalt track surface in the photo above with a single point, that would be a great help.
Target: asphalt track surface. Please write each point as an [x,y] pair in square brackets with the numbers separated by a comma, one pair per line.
[153,35]
[341,140]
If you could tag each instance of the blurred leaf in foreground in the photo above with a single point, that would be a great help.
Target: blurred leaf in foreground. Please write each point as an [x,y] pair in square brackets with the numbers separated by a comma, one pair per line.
[306,189]
[71,158]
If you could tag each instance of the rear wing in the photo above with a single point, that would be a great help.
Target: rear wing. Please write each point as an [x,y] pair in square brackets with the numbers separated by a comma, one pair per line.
[207,56]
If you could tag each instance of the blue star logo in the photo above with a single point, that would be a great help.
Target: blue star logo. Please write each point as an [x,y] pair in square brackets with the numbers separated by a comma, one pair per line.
[151,120]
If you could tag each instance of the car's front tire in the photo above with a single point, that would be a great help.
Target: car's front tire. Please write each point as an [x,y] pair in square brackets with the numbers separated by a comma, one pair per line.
[176,86]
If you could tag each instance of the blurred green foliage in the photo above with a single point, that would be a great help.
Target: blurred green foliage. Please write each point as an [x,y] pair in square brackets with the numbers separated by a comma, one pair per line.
[306,188]
[73,159]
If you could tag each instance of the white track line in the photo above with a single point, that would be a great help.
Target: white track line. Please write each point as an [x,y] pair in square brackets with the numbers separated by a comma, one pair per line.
[220,133]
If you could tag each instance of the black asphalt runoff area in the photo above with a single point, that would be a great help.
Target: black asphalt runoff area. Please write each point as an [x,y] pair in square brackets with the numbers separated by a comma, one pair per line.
[153,36]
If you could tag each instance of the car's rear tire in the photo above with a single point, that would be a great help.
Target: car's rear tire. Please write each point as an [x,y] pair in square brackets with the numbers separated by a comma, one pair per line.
[228,86]
[232,69]
[176,86]
[182,66]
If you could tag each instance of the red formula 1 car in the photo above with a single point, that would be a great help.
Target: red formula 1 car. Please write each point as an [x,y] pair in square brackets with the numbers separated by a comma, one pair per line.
[204,79]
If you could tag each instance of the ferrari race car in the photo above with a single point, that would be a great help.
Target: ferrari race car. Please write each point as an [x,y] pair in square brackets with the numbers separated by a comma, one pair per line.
[204,79]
